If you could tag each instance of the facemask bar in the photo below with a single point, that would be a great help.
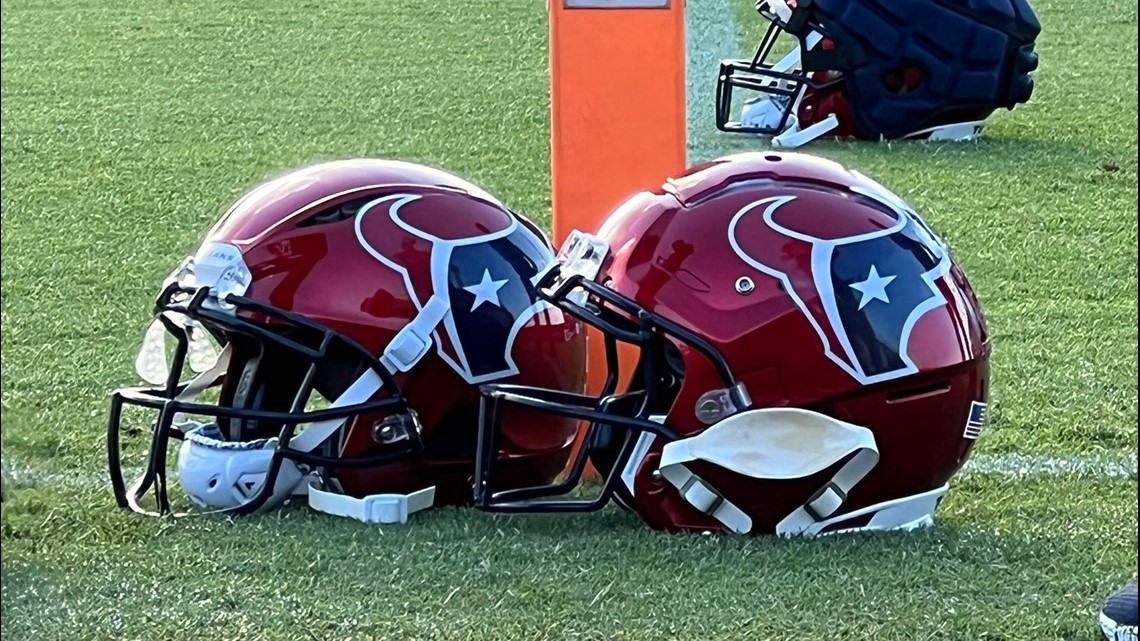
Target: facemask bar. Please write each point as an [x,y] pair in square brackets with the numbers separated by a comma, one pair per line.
[597,410]
[781,85]
[611,313]
[167,402]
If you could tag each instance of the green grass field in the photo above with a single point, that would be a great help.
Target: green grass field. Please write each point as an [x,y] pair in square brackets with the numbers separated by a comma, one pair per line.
[128,126]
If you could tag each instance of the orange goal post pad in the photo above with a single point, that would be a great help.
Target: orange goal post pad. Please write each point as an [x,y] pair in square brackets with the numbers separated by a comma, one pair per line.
[617,113]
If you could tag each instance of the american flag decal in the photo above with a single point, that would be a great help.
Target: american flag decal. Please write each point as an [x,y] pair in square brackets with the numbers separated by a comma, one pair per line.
[976,421]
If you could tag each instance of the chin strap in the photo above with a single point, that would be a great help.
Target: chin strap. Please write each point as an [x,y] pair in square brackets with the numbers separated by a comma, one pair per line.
[375,508]
[199,384]
[777,443]
[698,493]
[413,341]
[406,349]
[791,61]
[204,380]
[794,136]
[808,518]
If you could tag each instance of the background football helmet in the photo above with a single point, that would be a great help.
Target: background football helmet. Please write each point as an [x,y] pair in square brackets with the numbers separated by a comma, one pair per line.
[810,357]
[358,304]
[875,69]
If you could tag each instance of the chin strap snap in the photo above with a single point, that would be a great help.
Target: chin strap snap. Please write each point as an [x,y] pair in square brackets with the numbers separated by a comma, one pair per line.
[698,493]
[808,518]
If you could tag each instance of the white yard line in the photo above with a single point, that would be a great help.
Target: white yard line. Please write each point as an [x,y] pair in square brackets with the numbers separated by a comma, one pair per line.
[21,475]
[1006,465]
[1093,466]
[711,35]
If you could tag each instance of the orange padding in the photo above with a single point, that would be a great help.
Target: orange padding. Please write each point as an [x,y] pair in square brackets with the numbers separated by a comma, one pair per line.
[618,116]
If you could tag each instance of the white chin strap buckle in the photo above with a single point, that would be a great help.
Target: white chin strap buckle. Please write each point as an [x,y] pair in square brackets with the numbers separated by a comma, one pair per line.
[377,508]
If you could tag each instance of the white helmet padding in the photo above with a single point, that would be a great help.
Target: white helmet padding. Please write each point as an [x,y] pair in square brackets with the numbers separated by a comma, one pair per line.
[219,475]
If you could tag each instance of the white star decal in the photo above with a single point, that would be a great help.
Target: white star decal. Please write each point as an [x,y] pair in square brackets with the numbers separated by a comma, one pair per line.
[486,290]
[874,288]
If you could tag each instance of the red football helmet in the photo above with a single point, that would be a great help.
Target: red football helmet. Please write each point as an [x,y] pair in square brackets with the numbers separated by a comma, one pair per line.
[360,303]
[811,357]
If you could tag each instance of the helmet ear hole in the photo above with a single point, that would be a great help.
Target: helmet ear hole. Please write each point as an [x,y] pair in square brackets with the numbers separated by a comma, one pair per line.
[263,377]
[905,78]
[673,359]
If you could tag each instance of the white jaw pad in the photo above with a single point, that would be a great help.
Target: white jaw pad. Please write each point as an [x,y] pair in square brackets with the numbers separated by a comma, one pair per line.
[772,443]
[222,475]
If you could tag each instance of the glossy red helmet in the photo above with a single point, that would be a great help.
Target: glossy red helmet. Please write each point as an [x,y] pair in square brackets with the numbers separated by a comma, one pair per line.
[360,304]
[811,357]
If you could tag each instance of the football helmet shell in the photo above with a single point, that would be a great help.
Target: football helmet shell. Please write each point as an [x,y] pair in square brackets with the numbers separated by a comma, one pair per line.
[811,358]
[360,302]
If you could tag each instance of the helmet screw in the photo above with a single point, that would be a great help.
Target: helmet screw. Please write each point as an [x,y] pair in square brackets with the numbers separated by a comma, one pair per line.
[396,428]
[709,410]
[656,475]
[744,285]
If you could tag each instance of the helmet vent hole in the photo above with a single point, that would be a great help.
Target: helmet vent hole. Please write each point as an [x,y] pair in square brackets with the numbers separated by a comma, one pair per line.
[773,158]
[343,211]
[916,393]
[213,483]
